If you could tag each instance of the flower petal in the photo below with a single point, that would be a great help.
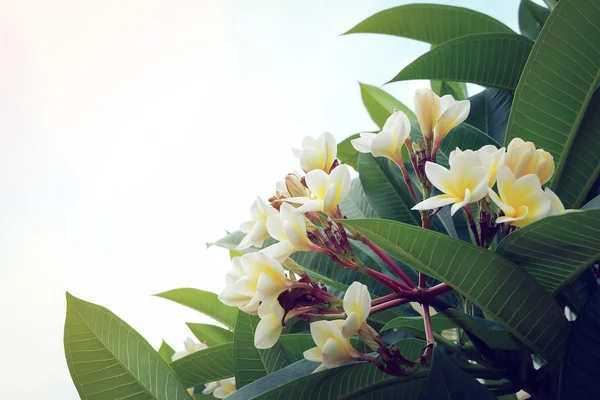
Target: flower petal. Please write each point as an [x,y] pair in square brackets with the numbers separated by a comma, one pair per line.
[436,202]
[267,331]
[439,176]
[317,182]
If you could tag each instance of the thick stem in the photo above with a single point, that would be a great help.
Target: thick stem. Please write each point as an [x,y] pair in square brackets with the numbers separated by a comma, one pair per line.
[472,225]
[388,297]
[378,276]
[437,290]
[386,259]
[389,304]
[428,333]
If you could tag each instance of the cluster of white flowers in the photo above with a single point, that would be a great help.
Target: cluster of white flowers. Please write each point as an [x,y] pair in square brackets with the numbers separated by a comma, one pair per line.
[219,389]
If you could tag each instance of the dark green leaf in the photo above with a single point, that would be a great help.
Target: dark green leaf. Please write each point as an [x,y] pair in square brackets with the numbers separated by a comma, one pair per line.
[488,59]
[558,82]
[380,104]
[592,204]
[346,153]
[205,302]
[210,334]
[431,23]
[166,352]
[492,283]
[579,374]
[206,365]
[489,112]
[458,90]
[532,18]
[356,204]
[108,359]
[581,290]
[447,381]
[295,345]
[252,363]
[555,250]
[415,325]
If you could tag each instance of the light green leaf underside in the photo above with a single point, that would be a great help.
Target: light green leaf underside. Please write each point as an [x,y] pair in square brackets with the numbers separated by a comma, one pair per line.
[252,363]
[491,282]
[488,59]
[108,359]
[205,302]
[166,352]
[583,161]
[380,104]
[558,81]
[206,365]
[555,250]
[431,23]
[354,381]
[346,153]
[210,334]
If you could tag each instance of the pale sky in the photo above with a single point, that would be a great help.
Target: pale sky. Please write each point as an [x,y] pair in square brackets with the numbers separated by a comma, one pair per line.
[132,132]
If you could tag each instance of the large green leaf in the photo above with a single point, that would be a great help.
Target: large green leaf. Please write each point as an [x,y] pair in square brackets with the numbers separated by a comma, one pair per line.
[489,112]
[356,204]
[494,284]
[432,23]
[380,104]
[558,81]
[532,18]
[358,380]
[206,365]
[488,59]
[346,153]
[579,374]
[465,137]
[582,168]
[252,363]
[212,335]
[166,352]
[458,90]
[555,250]
[108,359]
[205,302]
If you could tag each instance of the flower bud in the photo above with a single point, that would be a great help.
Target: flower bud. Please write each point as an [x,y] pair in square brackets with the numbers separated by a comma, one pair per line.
[452,113]
[427,109]
[523,159]
[294,186]
[317,153]
[357,306]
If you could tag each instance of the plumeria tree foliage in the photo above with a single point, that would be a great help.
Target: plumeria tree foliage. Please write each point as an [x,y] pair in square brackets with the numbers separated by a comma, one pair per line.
[460,263]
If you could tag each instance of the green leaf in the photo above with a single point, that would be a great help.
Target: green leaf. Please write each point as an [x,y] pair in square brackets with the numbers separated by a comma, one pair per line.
[555,250]
[488,59]
[582,168]
[295,345]
[431,23]
[252,363]
[356,204]
[464,136]
[579,374]
[230,241]
[380,104]
[532,18]
[206,365]
[415,325]
[166,352]
[578,293]
[558,81]
[458,90]
[345,382]
[492,283]
[210,334]
[205,302]
[592,204]
[447,381]
[489,112]
[346,153]
[108,359]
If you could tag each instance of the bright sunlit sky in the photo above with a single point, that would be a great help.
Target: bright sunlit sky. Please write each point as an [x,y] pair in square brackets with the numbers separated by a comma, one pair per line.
[132,132]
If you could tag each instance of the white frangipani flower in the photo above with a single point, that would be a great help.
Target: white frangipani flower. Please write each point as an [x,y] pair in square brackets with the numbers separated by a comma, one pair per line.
[190,346]
[289,228]
[452,113]
[427,109]
[317,153]
[387,143]
[210,387]
[256,228]
[333,349]
[521,200]
[230,296]
[357,306]
[491,157]
[328,190]
[523,159]
[226,387]
[557,206]
[270,326]
[466,182]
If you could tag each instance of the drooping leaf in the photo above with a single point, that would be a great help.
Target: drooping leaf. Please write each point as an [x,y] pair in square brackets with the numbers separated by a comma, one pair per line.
[579,373]
[489,112]
[252,363]
[532,18]
[205,302]
[346,153]
[431,23]
[346,382]
[208,365]
[212,335]
[488,59]
[108,359]
[558,81]
[166,352]
[491,282]
[582,168]
[555,250]
[447,381]
[380,104]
